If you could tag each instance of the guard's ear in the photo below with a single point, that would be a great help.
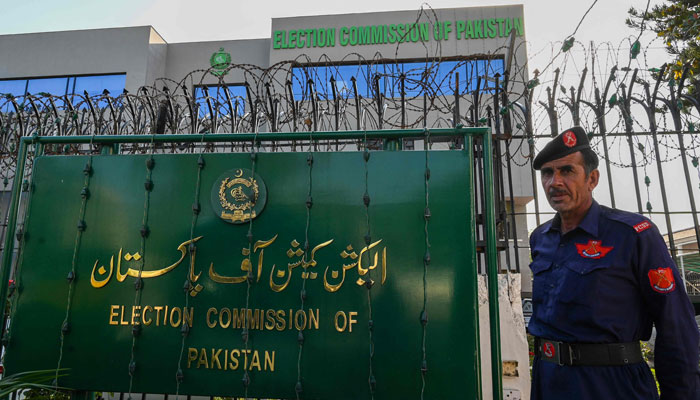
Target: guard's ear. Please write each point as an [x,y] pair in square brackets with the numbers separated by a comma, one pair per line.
[593,179]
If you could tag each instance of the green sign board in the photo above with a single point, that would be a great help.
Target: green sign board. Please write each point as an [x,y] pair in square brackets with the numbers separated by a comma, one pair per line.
[301,297]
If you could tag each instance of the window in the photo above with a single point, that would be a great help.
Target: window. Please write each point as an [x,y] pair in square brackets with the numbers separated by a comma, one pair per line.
[97,84]
[440,76]
[217,97]
[67,85]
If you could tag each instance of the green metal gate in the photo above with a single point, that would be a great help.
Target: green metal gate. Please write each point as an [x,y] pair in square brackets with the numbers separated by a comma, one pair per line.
[259,274]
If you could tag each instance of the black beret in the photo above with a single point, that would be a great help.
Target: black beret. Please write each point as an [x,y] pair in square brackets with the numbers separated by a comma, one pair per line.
[569,141]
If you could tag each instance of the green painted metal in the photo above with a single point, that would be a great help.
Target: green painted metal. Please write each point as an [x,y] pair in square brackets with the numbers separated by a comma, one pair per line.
[333,363]
[468,146]
[260,137]
[492,269]
[8,248]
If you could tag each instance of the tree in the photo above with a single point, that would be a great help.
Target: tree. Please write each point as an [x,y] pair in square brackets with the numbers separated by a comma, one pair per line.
[677,22]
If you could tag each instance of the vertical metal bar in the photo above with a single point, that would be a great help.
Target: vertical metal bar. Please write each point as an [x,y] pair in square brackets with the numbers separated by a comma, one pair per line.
[470,150]
[335,103]
[608,171]
[531,144]
[292,104]
[314,106]
[212,116]
[425,111]
[455,110]
[402,81]
[502,216]
[253,108]
[480,233]
[627,115]
[635,174]
[273,114]
[230,107]
[496,108]
[516,248]
[8,247]
[380,116]
[357,101]
[657,153]
[492,268]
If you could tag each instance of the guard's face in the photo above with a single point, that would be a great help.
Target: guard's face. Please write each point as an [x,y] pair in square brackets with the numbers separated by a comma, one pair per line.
[566,185]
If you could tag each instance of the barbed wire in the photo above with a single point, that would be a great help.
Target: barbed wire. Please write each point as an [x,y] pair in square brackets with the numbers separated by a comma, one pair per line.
[584,87]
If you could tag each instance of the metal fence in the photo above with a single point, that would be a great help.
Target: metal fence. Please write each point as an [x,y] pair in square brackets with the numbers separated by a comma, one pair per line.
[641,120]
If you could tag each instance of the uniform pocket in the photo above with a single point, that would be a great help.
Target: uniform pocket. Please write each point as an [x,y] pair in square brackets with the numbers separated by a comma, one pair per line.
[582,282]
[583,268]
[540,286]
[538,266]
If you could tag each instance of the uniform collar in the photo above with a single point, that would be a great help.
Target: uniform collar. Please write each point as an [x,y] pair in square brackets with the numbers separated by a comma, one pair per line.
[589,223]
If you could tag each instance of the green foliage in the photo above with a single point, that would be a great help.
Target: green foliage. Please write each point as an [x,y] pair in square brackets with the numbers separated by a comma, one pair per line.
[677,22]
[35,383]
[44,394]
[531,348]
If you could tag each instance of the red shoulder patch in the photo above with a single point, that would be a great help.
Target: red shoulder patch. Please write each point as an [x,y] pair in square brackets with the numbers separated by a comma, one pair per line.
[642,226]
[662,280]
[592,249]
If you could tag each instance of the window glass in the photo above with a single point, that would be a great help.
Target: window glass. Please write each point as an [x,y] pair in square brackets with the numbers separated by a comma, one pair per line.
[96,85]
[389,82]
[321,76]
[445,76]
[15,87]
[218,100]
[321,79]
[299,78]
[54,86]
[415,73]
[486,70]
[322,82]
[69,85]
[343,75]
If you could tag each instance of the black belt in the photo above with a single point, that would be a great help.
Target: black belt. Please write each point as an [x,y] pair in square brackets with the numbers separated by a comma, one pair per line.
[590,354]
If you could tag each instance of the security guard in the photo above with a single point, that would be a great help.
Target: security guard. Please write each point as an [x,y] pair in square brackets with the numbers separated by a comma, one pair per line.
[602,277]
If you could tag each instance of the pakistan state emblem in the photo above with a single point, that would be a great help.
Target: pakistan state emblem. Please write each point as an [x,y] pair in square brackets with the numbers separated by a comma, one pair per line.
[219,61]
[237,196]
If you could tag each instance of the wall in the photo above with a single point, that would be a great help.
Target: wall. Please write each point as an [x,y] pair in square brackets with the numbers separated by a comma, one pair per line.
[95,51]
[183,58]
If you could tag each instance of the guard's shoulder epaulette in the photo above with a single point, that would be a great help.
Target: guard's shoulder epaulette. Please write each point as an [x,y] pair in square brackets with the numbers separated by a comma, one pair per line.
[636,221]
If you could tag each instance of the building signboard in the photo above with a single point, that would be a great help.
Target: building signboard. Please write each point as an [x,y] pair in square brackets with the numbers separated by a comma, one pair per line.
[219,276]
[426,34]
[396,33]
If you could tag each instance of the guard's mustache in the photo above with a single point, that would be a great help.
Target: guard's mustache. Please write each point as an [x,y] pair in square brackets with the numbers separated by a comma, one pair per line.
[555,192]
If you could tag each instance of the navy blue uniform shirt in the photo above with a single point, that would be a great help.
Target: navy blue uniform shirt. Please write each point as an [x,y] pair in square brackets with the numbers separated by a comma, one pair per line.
[608,281]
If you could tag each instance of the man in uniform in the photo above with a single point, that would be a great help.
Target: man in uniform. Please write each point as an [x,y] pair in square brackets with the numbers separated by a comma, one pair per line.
[602,277]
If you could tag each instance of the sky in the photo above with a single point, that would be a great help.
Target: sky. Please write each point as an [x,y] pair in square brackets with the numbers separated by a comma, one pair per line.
[202,20]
